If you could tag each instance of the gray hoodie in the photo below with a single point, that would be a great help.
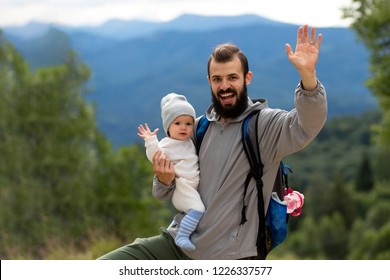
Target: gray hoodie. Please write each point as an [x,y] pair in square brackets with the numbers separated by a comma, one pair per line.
[224,167]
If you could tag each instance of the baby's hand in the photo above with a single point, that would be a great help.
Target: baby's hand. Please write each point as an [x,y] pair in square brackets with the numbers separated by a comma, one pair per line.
[145,132]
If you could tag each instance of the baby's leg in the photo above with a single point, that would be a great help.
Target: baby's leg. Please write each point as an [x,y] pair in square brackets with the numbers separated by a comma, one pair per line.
[187,226]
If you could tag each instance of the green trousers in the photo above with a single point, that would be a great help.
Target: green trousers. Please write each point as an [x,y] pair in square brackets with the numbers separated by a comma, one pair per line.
[160,247]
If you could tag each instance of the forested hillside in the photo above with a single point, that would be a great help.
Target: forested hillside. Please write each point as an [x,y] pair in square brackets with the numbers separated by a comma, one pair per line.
[63,190]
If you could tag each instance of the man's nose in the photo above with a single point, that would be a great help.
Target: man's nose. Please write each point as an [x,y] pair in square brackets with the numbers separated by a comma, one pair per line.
[224,84]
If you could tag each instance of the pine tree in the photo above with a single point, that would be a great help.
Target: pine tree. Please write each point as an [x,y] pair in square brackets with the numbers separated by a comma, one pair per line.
[365,176]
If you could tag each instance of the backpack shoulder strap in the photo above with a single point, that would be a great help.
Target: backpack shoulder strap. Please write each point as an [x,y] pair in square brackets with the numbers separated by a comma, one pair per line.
[251,148]
[249,140]
[203,124]
[248,137]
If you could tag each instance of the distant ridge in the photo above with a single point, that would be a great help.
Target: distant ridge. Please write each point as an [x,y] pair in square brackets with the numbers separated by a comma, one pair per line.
[125,29]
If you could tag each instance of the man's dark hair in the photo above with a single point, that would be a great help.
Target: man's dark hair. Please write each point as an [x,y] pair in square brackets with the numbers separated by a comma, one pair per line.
[225,53]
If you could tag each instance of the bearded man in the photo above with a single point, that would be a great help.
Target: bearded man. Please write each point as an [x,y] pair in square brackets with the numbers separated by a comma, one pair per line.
[223,162]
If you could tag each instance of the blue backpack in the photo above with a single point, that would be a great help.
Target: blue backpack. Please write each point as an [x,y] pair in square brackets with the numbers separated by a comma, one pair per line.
[272,227]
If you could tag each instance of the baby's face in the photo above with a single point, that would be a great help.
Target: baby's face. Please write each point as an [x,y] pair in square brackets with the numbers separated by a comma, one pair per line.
[181,128]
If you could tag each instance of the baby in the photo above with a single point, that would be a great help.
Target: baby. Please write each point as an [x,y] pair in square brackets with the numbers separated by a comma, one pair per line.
[178,117]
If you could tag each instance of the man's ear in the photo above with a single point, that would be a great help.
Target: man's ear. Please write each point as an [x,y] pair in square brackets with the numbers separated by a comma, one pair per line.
[248,77]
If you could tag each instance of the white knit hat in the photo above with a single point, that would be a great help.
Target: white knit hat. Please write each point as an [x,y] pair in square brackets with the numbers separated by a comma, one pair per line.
[172,106]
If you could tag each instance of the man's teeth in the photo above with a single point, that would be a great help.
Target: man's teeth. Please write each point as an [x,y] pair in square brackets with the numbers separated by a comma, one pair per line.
[226,95]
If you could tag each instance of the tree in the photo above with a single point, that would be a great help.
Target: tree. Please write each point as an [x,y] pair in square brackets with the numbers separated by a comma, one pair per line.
[48,151]
[365,176]
[371,20]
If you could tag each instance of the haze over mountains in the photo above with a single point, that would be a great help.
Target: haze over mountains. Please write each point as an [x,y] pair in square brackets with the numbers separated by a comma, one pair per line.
[135,63]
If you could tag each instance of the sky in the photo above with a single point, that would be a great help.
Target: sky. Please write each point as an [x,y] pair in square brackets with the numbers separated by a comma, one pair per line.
[320,13]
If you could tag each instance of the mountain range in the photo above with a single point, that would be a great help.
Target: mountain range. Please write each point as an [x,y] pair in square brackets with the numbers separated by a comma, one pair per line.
[135,63]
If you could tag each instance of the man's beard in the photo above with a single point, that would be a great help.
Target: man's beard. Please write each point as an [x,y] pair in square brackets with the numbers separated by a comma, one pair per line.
[231,111]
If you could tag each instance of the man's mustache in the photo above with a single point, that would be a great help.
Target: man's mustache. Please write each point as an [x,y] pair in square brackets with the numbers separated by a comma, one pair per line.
[229,90]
